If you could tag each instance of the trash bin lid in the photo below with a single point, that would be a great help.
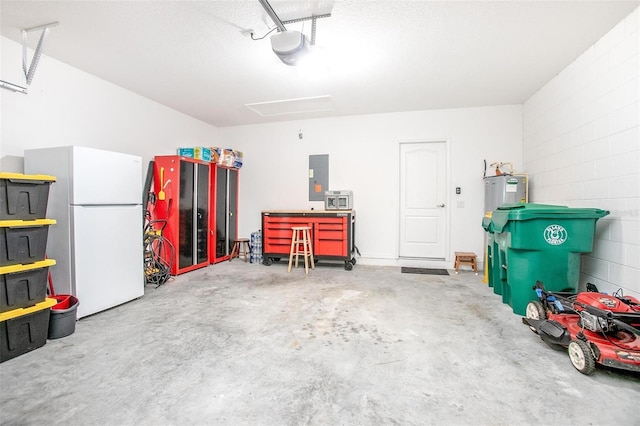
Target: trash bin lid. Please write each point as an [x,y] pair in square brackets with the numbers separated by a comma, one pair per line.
[528,211]
[487,223]
[530,206]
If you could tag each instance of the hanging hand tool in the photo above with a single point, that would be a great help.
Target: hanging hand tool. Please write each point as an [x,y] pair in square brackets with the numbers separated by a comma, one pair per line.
[161,194]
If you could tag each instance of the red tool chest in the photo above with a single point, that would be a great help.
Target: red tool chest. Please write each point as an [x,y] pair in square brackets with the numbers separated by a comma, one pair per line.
[332,234]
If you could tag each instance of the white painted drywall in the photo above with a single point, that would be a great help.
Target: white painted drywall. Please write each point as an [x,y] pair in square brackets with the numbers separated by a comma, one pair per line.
[364,157]
[66,106]
[582,149]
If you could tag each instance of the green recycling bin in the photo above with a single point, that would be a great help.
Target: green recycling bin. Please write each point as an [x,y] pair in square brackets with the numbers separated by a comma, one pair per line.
[492,267]
[540,242]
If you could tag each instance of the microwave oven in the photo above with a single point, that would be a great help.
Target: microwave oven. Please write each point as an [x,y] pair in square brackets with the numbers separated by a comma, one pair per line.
[338,200]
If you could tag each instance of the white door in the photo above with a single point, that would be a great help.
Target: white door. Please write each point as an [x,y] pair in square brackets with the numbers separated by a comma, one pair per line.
[423,176]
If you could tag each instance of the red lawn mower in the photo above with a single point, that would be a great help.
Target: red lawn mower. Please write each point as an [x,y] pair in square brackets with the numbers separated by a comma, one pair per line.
[597,328]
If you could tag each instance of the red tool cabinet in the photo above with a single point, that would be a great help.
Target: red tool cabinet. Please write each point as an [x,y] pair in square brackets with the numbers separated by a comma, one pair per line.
[182,190]
[332,234]
[223,212]
[199,201]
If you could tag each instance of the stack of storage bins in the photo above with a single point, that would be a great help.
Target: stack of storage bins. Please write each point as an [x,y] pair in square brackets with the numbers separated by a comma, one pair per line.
[24,306]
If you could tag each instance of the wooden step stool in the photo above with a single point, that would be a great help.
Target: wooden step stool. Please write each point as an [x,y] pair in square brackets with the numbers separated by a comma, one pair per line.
[301,246]
[240,247]
[465,258]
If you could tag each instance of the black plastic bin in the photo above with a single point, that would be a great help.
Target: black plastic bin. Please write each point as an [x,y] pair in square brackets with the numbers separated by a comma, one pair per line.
[22,286]
[23,241]
[23,330]
[24,197]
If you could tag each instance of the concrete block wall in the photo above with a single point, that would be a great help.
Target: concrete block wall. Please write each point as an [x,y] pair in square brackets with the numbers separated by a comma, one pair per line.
[581,135]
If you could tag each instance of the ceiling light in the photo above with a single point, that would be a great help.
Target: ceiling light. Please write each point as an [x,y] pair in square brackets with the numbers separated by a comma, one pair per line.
[290,46]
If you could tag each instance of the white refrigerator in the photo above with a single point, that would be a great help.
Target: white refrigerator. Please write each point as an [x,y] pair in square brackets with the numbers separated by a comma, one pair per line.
[97,240]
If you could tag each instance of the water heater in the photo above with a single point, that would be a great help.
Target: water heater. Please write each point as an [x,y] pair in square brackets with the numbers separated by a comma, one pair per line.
[504,189]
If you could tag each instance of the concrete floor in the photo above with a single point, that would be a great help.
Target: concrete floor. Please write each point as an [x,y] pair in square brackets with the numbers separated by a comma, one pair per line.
[239,343]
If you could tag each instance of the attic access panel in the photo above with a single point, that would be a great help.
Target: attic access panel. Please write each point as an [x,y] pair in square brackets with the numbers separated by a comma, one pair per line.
[292,106]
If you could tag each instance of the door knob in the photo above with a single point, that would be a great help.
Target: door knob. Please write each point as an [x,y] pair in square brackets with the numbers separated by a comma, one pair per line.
[440,205]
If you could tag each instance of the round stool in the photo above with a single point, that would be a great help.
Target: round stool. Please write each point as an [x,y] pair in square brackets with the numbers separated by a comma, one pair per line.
[240,247]
[301,246]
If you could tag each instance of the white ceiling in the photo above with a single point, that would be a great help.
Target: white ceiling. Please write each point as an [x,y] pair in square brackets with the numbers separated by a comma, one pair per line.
[371,56]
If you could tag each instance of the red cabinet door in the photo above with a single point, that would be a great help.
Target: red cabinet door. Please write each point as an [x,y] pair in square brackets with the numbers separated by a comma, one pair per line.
[182,188]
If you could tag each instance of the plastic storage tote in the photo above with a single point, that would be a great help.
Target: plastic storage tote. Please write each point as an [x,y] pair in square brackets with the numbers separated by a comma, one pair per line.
[22,286]
[24,197]
[539,242]
[23,241]
[23,330]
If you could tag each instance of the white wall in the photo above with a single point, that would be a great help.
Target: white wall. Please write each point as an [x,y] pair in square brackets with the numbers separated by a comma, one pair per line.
[66,106]
[582,149]
[364,157]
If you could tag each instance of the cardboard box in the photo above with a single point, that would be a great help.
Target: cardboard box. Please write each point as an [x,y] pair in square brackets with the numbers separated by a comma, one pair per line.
[238,159]
[197,153]
[226,158]
[215,154]
[186,152]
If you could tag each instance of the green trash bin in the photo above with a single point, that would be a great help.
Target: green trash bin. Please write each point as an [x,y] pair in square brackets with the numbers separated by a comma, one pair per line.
[540,242]
[492,267]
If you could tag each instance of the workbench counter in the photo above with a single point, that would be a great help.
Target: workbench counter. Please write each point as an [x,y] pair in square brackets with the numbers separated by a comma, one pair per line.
[309,212]
[332,234]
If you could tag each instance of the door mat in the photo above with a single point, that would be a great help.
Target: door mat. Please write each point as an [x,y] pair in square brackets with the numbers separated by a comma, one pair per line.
[426,271]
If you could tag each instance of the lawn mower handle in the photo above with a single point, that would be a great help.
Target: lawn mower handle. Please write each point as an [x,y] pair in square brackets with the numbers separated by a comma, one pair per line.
[624,326]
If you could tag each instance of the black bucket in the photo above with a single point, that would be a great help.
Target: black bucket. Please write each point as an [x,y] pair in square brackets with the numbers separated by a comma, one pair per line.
[62,320]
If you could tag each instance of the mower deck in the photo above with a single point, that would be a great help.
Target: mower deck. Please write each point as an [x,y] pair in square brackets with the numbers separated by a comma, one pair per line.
[595,327]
